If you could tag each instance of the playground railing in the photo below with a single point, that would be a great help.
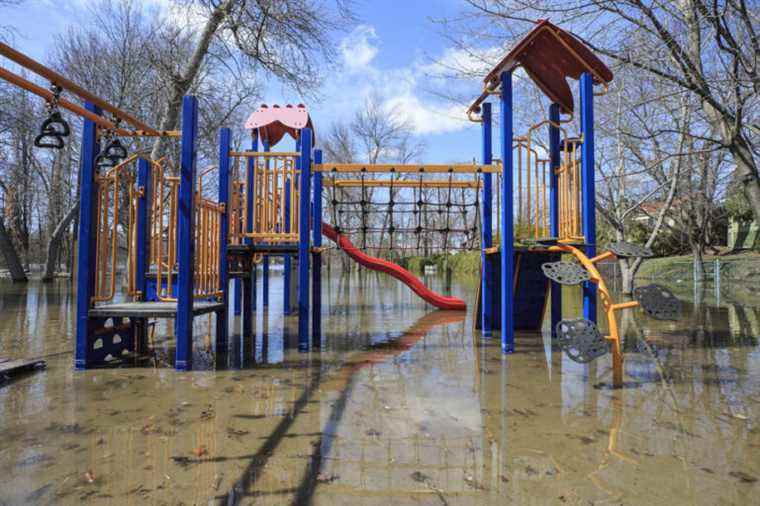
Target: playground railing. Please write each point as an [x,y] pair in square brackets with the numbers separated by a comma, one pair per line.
[208,217]
[163,226]
[117,209]
[274,196]
[569,185]
[532,186]
[531,180]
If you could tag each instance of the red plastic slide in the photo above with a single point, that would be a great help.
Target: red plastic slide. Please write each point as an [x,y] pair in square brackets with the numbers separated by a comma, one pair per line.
[398,272]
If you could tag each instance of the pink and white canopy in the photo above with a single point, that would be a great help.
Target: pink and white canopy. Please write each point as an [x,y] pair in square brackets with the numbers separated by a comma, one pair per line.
[272,123]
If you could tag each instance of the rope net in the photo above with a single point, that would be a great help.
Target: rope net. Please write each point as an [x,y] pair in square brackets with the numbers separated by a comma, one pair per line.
[406,214]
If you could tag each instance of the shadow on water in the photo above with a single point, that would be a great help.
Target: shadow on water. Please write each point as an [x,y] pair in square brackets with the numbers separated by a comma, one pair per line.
[343,375]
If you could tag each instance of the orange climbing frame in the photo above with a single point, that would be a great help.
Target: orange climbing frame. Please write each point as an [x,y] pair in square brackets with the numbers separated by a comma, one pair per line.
[610,307]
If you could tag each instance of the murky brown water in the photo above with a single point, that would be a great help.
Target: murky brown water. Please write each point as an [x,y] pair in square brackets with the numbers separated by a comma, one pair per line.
[404,406]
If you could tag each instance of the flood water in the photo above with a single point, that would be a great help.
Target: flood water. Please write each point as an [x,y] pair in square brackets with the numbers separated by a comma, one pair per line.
[403,405]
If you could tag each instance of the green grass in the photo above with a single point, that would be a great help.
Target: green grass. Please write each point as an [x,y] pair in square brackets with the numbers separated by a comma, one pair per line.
[464,265]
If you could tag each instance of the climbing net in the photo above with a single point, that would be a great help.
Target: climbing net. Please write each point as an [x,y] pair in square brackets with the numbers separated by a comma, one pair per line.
[406,213]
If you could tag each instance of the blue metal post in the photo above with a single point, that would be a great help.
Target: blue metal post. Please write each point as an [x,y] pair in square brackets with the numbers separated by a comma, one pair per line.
[287,272]
[507,218]
[247,294]
[265,268]
[304,218]
[86,238]
[186,235]
[486,239]
[249,226]
[143,205]
[143,241]
[588,190]
[225,145]
[554,163]
[316,278]
[287,306]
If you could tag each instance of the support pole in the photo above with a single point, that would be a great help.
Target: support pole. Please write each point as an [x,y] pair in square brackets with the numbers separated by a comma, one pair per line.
[588,190]
[248,304]
[287,261]
[265,287]
[186,236]
[554,162]
[143,245]
[86,238]
[287,272]
[316,278]
[507,217]
[486,237]
[304,219]
[249,225]
[225,145]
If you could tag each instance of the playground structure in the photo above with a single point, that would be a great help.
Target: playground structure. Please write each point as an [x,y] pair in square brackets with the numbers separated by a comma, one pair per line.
[184,247]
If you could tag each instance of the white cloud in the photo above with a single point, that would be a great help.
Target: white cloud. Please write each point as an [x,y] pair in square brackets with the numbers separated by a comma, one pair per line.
[359,48]
[475,63]
[403,91]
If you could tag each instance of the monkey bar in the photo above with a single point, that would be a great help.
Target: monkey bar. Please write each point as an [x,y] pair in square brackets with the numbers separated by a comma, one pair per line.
[407,168]
[140,129]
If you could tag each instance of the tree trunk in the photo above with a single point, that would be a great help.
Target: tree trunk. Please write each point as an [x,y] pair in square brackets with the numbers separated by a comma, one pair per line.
[699,267]
[627,277]
[182,83]
[54,244]
[10,254]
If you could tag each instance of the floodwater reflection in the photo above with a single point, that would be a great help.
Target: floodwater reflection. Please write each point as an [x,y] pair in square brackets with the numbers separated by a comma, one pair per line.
[401,406]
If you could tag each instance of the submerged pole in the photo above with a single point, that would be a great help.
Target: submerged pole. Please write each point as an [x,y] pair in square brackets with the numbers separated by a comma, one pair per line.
[507,217]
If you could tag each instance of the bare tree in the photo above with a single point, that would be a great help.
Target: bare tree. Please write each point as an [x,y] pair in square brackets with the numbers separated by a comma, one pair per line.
[637,164]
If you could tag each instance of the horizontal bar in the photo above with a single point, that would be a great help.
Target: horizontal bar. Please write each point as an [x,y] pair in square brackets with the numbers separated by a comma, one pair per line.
[74,88]
[603,256]
[264,154]
[416,169]
[377,183]
[624,305]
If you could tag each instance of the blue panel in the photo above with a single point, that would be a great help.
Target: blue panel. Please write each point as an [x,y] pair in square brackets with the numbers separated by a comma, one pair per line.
[555,160]
[225,145]
[507,216]
[316,278]
[588,190]
[185,232]
[530,289]
[87,232]
[486,238]
[304,217]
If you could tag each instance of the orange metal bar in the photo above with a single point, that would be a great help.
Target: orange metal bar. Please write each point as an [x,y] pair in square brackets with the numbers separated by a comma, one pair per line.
[603,256]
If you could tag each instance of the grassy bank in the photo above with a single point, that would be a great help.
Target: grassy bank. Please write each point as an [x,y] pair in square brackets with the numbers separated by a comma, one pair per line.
[464,266]
[741,266]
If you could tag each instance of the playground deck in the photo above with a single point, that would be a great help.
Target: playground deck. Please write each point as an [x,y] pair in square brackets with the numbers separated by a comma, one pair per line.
[150,309]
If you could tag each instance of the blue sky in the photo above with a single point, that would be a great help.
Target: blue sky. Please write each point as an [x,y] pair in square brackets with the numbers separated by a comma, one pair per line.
[389,54]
